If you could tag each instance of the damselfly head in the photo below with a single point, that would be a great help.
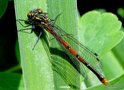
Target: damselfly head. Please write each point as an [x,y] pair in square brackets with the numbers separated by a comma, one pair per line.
[30,15]
[34,13]
[39,11]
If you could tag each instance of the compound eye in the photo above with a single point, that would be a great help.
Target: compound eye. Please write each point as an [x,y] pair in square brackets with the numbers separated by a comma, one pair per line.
[29,15]
[39,11]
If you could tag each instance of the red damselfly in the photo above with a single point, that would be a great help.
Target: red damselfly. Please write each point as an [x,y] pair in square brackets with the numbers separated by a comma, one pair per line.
[38,18]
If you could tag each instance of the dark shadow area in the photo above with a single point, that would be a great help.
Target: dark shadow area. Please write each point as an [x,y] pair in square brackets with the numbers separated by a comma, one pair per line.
[8,36]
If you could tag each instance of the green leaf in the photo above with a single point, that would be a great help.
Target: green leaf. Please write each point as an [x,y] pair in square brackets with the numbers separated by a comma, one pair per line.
[17,51]
[110,60]
[3,7]
[11,81]
[101,32]
[64,77]
[68,16]
[36,66]
[118,52]
[68,78]
[35,62]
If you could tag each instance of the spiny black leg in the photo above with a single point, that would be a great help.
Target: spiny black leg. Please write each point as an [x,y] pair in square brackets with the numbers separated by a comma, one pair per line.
[24,29]
[37,40]
[55,19]
[32,29]
[19,20]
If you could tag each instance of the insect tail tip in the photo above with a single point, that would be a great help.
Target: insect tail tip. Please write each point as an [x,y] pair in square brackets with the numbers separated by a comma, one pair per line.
[105,81]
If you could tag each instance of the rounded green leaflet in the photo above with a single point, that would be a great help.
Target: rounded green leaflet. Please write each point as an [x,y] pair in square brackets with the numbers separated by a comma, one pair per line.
[100,31]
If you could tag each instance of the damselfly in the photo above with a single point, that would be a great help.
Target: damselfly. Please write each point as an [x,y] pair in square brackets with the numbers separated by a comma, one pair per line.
[38,18]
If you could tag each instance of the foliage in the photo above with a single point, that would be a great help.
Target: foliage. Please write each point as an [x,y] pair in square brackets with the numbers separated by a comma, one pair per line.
[46,67]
